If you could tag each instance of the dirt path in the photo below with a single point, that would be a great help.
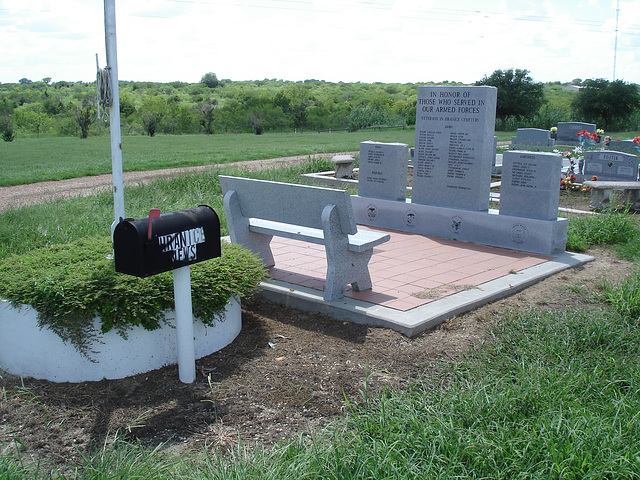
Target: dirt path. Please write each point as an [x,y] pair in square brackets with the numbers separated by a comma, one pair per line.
[43,192]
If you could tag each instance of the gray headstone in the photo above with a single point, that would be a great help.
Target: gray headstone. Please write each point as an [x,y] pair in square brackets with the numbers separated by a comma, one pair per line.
[611,165]
[567,131]
[624,146]
[454,146]
[530,185]
[383,170]
[533,137]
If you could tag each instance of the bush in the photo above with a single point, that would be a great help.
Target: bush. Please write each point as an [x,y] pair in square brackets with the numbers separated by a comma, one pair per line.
[68,285]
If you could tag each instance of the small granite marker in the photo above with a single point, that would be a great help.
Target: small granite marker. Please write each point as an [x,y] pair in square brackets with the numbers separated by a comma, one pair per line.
[530,185]
[532,137]
[383,170]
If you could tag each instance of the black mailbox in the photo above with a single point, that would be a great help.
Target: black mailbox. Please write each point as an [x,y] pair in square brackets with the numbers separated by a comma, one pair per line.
[159,243]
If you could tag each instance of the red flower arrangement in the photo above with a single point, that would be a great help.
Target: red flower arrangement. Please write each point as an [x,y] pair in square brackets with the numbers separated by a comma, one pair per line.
[589,135]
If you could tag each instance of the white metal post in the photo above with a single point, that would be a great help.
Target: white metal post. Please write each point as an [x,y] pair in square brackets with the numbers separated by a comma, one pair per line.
[184,324]
[114,111]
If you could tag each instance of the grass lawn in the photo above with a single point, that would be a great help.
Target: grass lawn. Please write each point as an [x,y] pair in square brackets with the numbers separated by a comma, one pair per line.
[29,160]
[54,158]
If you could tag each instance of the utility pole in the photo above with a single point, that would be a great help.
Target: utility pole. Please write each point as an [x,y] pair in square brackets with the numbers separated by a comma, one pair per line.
[615,47]
[114,111]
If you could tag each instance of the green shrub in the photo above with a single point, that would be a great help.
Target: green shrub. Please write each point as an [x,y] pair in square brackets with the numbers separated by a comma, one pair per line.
[68,285]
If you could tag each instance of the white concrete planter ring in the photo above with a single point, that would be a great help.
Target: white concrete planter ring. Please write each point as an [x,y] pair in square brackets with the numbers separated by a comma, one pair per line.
[31,351]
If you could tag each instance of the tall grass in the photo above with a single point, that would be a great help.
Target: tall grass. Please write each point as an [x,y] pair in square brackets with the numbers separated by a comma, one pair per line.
[557,395]
[611,228]
[625,298]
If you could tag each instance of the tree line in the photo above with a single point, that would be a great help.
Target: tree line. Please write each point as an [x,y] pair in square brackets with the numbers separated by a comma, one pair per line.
[212,106]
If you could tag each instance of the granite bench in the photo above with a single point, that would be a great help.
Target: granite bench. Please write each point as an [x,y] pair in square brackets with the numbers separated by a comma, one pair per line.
[602,190]
[256,210]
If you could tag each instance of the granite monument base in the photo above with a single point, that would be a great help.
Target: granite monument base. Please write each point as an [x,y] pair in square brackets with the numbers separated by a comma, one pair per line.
[544,237]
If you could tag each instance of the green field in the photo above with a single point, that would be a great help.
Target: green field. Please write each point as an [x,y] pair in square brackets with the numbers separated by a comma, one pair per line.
[30,160]
[54,158]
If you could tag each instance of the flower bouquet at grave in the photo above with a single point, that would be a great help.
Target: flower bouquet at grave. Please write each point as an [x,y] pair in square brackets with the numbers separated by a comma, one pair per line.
[568,179]
[588,139]
[636,143]
[574,158]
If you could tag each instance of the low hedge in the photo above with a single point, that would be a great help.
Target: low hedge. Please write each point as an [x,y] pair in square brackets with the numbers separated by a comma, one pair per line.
[69,285]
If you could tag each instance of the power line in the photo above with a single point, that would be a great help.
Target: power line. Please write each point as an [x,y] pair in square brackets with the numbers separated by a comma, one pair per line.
[450,15]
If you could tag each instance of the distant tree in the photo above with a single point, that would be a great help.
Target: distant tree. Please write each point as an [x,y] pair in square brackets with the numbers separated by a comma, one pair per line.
[31,117]
[24,81]
[295,101]
[518,95]
[47,80]
[179,118]
[53,106]
[607,103]
[362,117]
[127,108]
[210,80]
[85,116]
[6,127]
[61,84]
[152,111]
[207,116]
[256,120]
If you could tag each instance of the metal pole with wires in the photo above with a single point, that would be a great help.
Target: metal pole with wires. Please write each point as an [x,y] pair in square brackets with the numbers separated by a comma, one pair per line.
[110,98]
[615,47]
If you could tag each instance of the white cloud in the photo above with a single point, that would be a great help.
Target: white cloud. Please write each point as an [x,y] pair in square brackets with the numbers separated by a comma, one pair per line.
[348,40]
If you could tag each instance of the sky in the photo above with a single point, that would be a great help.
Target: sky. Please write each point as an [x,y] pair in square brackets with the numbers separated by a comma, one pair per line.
[388,41]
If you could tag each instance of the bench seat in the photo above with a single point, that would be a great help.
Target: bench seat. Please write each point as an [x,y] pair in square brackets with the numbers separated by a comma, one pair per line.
[257,210]
[360,242]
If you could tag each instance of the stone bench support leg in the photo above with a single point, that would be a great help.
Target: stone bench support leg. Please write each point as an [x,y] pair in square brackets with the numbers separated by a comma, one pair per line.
[343,265]
[631,199]
[600,198]
[258,243]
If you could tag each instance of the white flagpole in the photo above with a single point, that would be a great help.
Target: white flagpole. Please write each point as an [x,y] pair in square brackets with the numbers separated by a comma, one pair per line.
[114,111]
